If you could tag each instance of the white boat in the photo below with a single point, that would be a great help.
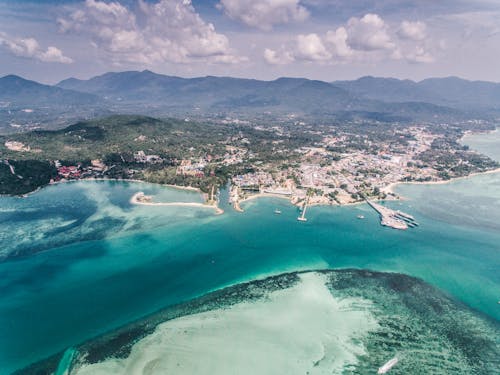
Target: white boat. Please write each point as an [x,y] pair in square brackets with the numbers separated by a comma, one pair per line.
[361,217]
[387,366]
[277,212]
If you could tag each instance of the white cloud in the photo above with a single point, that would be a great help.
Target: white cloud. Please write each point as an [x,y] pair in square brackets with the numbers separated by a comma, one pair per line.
[369,33]
[166,31]
[414,43]
[310,47]
[54,54]
[419,55]
[365,39]
[30,48]
[278,57]
[412,30]
[263,14]
[338,40]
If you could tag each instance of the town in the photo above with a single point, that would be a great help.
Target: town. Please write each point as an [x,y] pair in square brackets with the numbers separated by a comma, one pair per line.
[321,163]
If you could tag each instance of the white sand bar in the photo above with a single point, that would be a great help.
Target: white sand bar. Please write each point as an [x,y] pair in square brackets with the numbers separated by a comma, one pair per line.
[303,329]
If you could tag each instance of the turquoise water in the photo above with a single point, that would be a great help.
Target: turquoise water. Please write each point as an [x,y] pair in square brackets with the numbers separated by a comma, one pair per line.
[106,262]
[66,361]
[488,144]
[310,322]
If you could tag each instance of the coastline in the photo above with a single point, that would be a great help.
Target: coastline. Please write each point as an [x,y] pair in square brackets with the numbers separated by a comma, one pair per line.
[289,199]
[64,181]
[390,188]
[179,187]
[263,195]
[135,200]
[472,132]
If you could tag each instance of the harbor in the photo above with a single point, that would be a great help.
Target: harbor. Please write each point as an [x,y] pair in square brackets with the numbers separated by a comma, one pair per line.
[393,218]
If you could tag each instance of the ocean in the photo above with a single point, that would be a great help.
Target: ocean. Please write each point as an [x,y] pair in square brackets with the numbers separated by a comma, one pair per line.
[78,260]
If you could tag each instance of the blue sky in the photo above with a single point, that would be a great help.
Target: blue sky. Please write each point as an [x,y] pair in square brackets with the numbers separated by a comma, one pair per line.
[265,39]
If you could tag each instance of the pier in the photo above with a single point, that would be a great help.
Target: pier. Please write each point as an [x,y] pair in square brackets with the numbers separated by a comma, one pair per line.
[393,218]
[303,216]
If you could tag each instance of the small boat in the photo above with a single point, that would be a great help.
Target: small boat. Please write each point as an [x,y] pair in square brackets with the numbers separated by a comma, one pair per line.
[387,366]
[360,216]
[277,212]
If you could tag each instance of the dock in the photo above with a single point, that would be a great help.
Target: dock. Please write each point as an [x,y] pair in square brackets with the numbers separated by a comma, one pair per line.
[393,218]
[303,216]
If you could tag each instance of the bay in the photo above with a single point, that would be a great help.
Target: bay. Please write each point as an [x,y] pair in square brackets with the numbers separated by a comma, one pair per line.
[80,260]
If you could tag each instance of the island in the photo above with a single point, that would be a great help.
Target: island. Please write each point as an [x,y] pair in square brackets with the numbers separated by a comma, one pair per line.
[314,163]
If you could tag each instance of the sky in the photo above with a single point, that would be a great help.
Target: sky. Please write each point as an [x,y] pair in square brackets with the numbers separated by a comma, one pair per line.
[328,40]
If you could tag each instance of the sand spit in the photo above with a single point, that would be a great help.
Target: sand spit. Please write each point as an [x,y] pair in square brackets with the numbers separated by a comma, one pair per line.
[140,199]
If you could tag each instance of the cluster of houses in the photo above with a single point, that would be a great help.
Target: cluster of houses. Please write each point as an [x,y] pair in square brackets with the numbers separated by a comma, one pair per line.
[141,157]
[188,168]
[253,180]
[74,172]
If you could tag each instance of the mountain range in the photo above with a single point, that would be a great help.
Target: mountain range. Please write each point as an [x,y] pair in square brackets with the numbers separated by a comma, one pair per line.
[450,91]
[145,92]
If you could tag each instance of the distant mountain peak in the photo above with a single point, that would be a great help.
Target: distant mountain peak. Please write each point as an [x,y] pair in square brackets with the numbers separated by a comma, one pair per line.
[11,76]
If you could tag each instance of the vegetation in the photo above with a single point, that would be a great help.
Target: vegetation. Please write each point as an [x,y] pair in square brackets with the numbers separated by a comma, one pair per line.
[116,140]
[28,175]
[206,155]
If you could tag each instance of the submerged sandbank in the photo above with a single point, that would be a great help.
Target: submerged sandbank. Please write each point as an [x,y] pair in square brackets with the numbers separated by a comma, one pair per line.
[316,322]
[295,330]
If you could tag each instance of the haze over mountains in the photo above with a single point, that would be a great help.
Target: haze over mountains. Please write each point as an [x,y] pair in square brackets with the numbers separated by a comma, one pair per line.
[450,91]
[383,99]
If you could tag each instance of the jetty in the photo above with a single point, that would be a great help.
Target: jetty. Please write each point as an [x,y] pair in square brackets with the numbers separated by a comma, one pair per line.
[303,216]
[393,218]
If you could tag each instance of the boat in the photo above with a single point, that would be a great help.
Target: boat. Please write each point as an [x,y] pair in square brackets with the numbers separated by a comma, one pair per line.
[360,216]
[387,366]
[277,212]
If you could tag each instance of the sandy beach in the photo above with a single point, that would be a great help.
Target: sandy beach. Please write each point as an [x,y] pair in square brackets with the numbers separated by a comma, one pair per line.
[135,200]
[263,195]
[237,204]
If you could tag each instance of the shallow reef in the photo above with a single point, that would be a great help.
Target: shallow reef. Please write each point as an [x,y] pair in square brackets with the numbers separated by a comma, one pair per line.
[428,331]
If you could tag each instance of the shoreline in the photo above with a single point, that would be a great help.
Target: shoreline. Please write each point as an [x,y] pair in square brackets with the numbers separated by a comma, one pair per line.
[263,195]
[64,181]
[238,208]
[477,132]
[289,199]
[179,187]
[136,201]
[390,188]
